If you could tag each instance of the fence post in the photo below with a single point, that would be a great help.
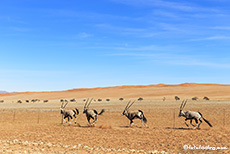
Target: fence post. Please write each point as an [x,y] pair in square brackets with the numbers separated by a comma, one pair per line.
[14,116]
[224,118]
[38,117]
[174,118]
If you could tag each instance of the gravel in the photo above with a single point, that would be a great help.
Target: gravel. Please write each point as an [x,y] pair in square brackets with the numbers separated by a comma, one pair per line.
[38,147]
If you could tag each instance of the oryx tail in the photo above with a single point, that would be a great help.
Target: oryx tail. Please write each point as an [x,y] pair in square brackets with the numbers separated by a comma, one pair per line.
[102,111]
[205,120]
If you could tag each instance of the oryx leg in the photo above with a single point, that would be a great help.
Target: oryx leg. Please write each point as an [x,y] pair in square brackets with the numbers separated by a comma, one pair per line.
[142,121]
[199,123]
[75,119]
[196,124]
[64,119]
[71,119]
[95,120]
[141,118]
[131,123]
[145,124]
[185,122]
[88,118]
[191,123]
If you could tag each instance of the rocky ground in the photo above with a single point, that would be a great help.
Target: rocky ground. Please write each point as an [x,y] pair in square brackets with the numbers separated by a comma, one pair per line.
[18,146]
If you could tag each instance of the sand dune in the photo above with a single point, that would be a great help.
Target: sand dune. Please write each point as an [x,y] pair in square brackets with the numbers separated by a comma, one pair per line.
[156,92]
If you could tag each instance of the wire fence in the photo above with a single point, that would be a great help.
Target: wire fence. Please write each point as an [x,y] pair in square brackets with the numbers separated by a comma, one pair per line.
[29,116]
[170,119]
[161,118]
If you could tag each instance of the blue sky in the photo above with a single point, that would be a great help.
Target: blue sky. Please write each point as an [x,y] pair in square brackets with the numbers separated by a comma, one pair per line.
[58,45]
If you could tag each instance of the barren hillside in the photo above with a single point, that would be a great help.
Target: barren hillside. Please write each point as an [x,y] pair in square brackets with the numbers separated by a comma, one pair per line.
[156,92]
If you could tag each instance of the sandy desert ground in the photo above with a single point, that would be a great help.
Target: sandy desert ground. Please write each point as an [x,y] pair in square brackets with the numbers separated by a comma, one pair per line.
[36,127]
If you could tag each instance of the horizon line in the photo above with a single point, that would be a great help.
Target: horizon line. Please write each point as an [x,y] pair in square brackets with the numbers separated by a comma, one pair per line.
[120,86]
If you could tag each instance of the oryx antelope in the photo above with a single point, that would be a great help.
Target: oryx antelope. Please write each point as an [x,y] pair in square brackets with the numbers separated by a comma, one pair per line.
[69,113]
[91,113]
[190,115]
[131,115]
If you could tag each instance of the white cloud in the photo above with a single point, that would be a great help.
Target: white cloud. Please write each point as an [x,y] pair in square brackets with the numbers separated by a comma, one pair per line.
[174,59]
[145,48]
[211,38]
[160,3]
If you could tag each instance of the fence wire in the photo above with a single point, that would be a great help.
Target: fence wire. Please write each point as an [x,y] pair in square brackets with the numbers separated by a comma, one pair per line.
[161,118]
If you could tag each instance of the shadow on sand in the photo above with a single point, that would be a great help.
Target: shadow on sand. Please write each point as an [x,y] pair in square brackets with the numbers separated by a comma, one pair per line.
[181,128]
[76,125]
[132,127]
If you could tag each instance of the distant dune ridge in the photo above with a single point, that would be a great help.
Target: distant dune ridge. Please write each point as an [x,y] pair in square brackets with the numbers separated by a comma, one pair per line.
[157,92]
[2,92]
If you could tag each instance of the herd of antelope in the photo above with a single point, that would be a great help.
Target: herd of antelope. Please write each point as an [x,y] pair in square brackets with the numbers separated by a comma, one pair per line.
[131,115]
[90,113]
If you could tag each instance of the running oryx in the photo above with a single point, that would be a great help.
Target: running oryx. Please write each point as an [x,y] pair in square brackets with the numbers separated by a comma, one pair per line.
[91,113]
[69,113]
[190,115]
[131,115]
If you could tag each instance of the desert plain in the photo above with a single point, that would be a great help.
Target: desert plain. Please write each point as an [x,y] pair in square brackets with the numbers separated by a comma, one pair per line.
[36,127]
